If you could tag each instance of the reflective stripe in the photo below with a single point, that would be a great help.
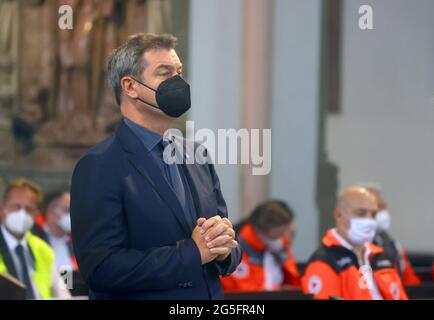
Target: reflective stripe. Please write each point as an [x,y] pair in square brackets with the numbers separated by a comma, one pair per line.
[44,260]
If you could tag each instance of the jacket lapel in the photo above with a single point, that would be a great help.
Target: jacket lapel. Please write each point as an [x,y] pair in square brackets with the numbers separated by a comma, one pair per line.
[6,256]
[145,164]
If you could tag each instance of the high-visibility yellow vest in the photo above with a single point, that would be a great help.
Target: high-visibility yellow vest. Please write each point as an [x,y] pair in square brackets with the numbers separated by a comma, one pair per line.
[44,260]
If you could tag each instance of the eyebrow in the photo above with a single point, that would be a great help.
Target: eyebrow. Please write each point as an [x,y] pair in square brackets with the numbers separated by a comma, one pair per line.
[364,210]
[168,66]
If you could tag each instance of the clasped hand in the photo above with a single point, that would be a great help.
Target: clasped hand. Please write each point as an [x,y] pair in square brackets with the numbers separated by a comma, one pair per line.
[215,238]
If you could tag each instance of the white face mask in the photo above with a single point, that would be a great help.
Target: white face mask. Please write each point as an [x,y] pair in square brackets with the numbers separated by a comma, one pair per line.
[18,222]
[383,220]
[274,246]
[65,223]
[362,230]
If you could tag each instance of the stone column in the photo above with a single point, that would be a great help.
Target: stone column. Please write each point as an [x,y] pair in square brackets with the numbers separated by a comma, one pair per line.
[256,105]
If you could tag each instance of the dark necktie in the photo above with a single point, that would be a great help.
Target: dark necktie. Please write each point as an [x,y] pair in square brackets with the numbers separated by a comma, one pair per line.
[25,278]
[176,182]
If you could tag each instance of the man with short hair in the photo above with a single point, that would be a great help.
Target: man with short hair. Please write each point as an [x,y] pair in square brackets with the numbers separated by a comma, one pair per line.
[143,227]
[54,226]
[22,254]
[348,265]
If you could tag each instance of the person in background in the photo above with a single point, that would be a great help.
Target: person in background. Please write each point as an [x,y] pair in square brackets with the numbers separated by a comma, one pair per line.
[55,228]
[392,247]
[348,265]
[22,254]
[267,262]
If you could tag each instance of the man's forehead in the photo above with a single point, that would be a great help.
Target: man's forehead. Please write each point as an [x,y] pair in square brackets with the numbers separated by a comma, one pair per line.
[363,204]
[66,196]
[159,57]
[280,229]
[20,194]
[64,201]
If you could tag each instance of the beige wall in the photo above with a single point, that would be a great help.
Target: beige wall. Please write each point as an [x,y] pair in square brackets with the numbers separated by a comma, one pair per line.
[385,131]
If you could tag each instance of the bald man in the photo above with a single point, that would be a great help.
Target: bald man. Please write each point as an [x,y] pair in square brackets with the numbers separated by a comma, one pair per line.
[348,265]
[392,247]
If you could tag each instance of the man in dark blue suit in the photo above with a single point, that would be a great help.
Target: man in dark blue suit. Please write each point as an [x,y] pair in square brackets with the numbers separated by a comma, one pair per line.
[144,228]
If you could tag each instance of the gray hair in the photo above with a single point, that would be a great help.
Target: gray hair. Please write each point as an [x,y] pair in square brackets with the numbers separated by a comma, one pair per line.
[128,58]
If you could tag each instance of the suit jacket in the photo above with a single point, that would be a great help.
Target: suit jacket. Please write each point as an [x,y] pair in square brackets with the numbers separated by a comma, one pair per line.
[7,257]
[130,235]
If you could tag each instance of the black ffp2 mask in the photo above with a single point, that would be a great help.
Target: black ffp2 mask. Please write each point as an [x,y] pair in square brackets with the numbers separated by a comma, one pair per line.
[172,95]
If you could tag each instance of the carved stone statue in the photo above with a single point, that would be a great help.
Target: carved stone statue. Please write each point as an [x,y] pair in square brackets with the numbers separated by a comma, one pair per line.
[54,97]
[86,110]
[73,121]
[9,11]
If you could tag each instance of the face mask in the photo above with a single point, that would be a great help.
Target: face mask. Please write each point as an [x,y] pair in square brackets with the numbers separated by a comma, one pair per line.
[172,95]
[383,220]
[65,223]
[18,222]
[362,230]
[274,246]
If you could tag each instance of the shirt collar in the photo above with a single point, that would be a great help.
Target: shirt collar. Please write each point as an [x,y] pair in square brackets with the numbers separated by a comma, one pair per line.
[149,138]
[11,241]
[342,241]
[348,245]
[249,234]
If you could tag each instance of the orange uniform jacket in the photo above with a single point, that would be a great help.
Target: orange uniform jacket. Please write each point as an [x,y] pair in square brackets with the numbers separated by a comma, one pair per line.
[399,257]
[250,274]
[409,276]
[333,271]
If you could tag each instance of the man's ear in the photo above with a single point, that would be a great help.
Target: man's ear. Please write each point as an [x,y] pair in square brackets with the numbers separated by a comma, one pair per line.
[128,87]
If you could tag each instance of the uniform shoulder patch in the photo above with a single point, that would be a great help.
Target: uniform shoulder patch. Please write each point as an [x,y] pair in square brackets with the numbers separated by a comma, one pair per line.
[241,271]
[314,284]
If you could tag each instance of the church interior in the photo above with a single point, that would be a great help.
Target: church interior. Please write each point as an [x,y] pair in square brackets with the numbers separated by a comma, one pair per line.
[346,87]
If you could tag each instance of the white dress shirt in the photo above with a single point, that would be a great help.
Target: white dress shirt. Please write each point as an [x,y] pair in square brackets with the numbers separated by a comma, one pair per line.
[273,272]
[61,249]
